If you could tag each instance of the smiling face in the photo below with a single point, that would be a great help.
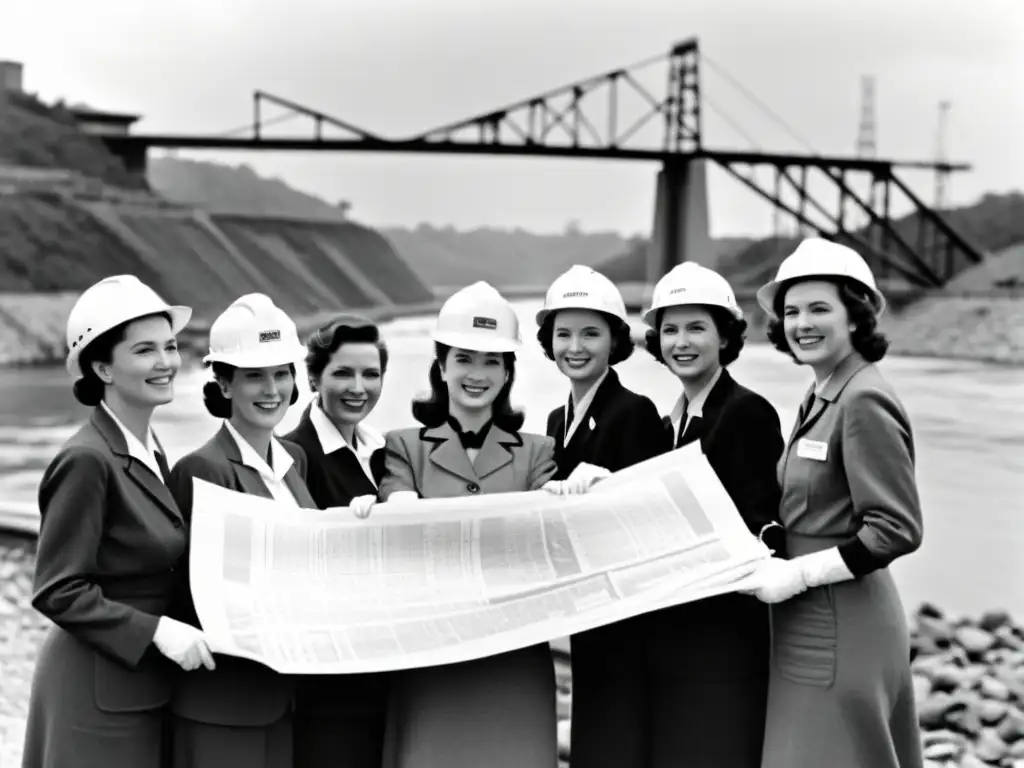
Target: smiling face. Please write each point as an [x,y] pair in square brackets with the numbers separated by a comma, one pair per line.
[690,343]
[474,379]
[817,324]
[259,396]
[351,383]
[143,365]
[581,343]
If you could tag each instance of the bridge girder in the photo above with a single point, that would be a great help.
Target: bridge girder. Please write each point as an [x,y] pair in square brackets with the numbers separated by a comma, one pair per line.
[563,123]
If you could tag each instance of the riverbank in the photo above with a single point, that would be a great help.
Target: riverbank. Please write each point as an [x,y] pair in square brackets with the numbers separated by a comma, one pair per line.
[968,675]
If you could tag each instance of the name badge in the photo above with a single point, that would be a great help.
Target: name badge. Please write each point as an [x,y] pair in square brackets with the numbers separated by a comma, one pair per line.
[812,449]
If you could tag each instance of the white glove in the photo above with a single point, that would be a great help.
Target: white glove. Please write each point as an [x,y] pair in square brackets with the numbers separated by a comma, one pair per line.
[183,644]
[404,496]
[776,580]
[361,505]
[580,481]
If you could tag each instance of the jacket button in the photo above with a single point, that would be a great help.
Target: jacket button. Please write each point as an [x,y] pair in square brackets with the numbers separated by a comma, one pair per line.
[473,488]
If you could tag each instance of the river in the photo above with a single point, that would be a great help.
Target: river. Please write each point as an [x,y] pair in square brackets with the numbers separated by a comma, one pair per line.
[968,420]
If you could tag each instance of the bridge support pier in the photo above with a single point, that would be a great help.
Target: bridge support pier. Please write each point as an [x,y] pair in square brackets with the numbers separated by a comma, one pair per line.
[681,231]
[133,157]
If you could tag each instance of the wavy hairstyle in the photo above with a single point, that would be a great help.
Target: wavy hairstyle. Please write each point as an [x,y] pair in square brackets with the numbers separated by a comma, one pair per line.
[731,330]
[866,339]
[329,337]
[90,389]
[433,410]
[622,340]
[220,406]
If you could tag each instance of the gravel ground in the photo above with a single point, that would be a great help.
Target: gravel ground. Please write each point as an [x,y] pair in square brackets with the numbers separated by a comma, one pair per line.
[21,631]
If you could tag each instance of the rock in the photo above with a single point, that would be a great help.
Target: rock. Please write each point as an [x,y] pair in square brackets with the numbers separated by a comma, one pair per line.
[922,688]
[931,610]
[939,630]
[991,688]
[1017,749]
[1011,728]
[989,747]
[970,761]
[974,640]
[943,750]
[992,711]
[966,720]
[990,621]
[936,708]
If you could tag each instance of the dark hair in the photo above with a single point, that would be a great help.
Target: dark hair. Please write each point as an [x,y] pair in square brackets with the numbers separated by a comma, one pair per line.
[90,389]
[432,411]
[866,339]
[622,339]
[343,329]
[220,406]
[731,329]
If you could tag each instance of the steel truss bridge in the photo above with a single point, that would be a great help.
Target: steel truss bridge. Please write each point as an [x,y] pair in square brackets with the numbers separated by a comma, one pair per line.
[586,119]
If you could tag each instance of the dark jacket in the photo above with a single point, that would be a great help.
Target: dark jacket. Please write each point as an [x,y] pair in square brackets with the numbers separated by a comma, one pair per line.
[333,479]
[239,692]
[741,437]
[111,540]
[626,430]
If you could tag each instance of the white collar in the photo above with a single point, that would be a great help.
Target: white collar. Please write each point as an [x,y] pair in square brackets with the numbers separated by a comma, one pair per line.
[696,406]
[580,408]
[144,452]
[281,459]
[367,438]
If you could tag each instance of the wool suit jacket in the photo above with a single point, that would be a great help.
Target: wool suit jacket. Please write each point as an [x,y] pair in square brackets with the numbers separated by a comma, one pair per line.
[336,478]
[432,462]
[111,541]
[727,637]
[621,428]
[848,475]
[239,692]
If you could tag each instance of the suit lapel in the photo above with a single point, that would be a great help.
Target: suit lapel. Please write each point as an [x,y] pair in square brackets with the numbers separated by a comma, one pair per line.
[836,383]
[139,473]
[298,488]
[495,452]
[606,393]
[248,479]
[449,454]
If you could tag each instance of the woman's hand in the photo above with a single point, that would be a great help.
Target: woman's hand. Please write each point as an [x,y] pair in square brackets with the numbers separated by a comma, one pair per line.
[580,481]
[183,644]
[362,505]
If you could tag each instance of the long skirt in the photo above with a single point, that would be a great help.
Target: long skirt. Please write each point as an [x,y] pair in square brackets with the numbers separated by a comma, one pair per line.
[66,727]
[840,691]
[496,712]
[204,745]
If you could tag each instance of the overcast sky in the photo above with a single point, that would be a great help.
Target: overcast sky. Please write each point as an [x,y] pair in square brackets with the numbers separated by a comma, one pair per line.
[398,67]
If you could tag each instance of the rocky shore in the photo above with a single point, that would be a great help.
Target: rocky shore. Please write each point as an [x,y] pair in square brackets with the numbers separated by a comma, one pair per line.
[968,676]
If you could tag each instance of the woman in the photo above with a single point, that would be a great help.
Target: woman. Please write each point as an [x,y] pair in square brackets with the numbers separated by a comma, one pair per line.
[241,714]
[346,360]
[708,660]
[110,539]
[841,692]
[603,427]
[497,711]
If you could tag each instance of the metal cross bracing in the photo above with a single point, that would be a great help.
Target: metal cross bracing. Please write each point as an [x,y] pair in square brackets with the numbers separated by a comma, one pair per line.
[593,118]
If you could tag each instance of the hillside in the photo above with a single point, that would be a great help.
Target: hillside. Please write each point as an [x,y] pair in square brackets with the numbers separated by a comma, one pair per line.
[221,188]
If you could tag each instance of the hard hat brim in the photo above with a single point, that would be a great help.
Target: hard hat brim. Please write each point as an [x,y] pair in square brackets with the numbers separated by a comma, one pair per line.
[542,314]
[269,358]
[475,342]
[767,293]
[180,315]
[651,315]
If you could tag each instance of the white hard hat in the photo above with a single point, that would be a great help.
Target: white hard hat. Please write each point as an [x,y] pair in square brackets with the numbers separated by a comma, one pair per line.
[478,318]
[109,303]
[254,333]
[692,283]
[583,288]
[817,257]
